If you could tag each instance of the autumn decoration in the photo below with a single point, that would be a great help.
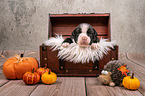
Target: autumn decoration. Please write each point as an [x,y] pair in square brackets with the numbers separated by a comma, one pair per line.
[131,82]
[15,67]
[31,77]
[49,77]
[41,70]
[123,70]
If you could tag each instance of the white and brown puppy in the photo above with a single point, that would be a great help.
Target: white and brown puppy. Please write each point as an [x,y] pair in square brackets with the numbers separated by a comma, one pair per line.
[84,35]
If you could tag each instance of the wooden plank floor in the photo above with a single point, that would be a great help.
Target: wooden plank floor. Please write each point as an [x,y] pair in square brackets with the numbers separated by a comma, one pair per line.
[74,86]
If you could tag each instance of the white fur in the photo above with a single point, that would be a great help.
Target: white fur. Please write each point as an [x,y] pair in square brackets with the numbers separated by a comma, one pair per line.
[84,28]
[75,53]
[104,72]
[55,42]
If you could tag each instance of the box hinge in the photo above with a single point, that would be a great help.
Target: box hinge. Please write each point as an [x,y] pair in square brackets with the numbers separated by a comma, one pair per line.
[114,53]
[43,54]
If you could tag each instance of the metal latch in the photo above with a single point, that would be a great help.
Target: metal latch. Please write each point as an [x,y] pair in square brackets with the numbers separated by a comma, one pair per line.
[44,48]
[96,65]
[61,64]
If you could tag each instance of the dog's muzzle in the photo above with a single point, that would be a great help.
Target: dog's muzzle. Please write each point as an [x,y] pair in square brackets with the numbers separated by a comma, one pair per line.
[83,39]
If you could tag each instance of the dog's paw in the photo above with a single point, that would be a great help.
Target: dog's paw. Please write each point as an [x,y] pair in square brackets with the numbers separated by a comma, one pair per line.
[94,45]
[65,45]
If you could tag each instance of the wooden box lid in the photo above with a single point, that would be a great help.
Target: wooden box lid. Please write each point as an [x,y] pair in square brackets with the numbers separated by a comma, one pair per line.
[64,24]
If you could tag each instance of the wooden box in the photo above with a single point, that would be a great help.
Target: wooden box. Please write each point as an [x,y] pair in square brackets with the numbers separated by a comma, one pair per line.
[64,24]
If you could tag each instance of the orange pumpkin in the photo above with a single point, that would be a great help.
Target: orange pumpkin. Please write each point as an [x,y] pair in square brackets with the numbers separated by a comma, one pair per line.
[131,82]
[49,77]
[40,71]
[15,67]
[31,77]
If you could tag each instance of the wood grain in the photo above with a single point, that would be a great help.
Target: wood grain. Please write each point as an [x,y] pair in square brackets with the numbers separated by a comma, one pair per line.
[3,80]
[64,24]
[65,68]
[101,30]
[64,86]
[16,88]
[134,67]
[74,22]
[138,58]
[95,88]
[68,36]
[78,15]
[138,70]
[74,86]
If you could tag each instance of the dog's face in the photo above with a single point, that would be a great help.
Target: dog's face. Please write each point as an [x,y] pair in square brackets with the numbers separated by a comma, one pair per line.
[84,34]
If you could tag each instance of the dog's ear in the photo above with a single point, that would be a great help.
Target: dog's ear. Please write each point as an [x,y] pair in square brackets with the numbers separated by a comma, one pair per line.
[76,32]
[96,36]
[73,34]
[95,33]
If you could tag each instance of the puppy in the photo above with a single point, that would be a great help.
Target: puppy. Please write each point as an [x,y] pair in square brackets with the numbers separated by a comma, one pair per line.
[84,35]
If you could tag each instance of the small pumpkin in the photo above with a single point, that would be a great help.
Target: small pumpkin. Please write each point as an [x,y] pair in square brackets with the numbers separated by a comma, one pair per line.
[40,71]
[131,82]
[31,77]
[15,67]
[49,77]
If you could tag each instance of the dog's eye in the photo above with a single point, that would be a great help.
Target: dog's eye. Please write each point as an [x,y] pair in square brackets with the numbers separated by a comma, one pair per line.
[78,31]
[90,31]
[91,35]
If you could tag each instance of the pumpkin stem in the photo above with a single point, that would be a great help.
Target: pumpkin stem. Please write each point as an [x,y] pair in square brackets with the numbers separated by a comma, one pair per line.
[132,76]
[33,70]
[49,72]
[22,55]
